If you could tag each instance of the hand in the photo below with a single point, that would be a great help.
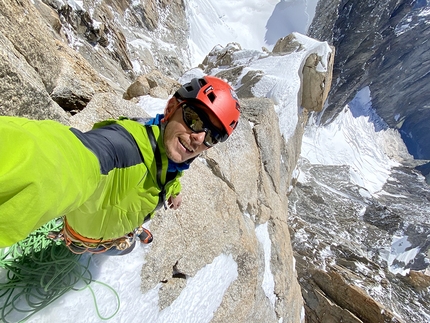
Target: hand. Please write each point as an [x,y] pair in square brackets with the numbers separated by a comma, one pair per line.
[175,202]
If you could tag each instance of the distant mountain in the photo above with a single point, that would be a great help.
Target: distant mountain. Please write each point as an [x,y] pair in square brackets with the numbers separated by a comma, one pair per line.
[383,45]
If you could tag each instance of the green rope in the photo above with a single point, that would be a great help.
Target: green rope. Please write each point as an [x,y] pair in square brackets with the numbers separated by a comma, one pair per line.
[38,271]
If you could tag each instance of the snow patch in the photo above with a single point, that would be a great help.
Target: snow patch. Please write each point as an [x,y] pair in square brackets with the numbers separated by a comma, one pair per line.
[151,105]
[268,284]
[197,302]
[203,293]
[400,255]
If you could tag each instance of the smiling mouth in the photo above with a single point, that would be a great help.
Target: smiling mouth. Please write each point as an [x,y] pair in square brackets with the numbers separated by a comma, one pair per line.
[185,145]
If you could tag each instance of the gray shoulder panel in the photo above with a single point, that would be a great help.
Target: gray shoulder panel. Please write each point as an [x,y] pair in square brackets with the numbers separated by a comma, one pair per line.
[113,145]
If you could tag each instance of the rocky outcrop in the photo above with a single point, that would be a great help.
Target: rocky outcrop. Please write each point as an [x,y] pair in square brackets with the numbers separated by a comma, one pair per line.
[316,77]
[316,85]
[44,66]
[382,45]
[333,299]
[64,55]
[212,222]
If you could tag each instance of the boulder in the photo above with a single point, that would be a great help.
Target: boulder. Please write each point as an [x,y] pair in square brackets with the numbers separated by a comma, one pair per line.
[138,88]
[316,84]
[154,83]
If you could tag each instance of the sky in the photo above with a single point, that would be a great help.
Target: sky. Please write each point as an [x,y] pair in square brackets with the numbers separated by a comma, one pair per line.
[253,24]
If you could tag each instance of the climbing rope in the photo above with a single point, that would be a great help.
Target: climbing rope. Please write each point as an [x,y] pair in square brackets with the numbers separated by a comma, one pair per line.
[37,271]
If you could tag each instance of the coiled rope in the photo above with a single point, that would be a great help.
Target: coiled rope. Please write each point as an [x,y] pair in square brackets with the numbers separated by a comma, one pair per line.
[37,271]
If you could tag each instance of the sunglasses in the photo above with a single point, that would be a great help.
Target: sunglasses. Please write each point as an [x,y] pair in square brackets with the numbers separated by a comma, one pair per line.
[198,121]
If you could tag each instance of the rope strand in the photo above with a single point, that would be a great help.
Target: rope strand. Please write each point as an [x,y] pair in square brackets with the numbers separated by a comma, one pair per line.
[38,271]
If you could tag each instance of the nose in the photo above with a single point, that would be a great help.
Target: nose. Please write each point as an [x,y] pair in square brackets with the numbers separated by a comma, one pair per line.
[198,137]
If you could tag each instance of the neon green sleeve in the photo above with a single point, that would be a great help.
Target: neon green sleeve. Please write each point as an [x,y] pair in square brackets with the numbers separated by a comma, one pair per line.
[45,172]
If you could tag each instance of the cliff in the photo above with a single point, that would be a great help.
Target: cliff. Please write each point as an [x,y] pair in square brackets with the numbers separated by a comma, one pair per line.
[381,45]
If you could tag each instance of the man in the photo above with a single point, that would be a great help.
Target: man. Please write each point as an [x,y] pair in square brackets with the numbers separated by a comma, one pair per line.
[110,180]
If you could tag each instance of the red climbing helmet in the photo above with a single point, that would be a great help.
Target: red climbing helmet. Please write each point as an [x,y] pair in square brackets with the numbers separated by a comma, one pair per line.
[217,95]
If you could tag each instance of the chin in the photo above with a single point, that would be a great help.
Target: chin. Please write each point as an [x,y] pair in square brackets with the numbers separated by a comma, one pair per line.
[177,160]
[174,153]
[174,157]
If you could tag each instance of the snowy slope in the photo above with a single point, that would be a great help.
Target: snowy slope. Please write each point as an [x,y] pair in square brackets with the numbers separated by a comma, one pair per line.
[253,23]
[350,141]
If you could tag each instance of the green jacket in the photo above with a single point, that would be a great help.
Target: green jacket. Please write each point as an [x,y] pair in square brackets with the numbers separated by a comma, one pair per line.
[106,181]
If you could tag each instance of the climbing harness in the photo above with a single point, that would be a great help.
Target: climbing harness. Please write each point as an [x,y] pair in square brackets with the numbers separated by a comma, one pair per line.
[38,270]
[79,244]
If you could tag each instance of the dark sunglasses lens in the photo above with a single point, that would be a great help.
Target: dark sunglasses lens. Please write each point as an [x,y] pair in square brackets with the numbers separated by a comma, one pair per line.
[199,122]
[192,119]
[209,139]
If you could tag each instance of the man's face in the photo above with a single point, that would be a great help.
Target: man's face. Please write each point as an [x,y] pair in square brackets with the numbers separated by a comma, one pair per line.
[180,141]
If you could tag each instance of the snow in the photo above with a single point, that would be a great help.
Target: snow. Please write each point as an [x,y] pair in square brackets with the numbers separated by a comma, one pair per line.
[268,281]
[281,82]
[76,5]
[203,293]
[151,105]
[400,255]
[418,15]
[140,44]
[197,302]
[252,23]
[352,141]
[424,13]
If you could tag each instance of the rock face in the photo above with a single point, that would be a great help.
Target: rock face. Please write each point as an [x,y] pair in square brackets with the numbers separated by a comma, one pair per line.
[64,55]
[383,45]
[43,66]
[212,223]
[343,244]
[75,64]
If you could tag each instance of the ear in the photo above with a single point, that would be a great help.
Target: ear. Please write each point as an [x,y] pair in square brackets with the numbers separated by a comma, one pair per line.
[170,108]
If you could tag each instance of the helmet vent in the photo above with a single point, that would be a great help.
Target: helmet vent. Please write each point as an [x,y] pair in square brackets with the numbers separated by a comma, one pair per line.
[202,82]
[211,96]
[233,124]
[189,88]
